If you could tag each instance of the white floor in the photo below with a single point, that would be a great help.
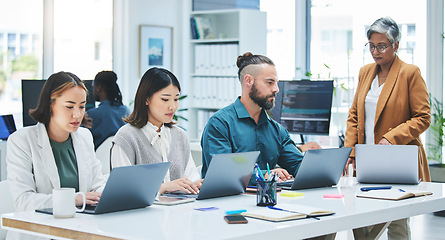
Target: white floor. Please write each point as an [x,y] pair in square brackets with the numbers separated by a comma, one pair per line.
[426,226]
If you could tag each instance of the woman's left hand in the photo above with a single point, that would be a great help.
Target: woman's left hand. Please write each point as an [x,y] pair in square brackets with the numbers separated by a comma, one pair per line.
[384,142]
[91,197]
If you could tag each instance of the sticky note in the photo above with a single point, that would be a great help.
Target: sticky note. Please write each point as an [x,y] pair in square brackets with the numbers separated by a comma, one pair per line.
[236,211]
[333,195]
[292,194]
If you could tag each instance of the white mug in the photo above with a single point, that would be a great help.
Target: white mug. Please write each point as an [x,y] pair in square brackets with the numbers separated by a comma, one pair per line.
[64,202]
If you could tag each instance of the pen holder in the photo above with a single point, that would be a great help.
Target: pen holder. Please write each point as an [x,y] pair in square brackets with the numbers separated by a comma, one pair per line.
[266,194]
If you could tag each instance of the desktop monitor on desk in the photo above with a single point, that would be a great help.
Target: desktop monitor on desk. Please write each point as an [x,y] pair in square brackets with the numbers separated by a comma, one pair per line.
[304,107]
[30,97]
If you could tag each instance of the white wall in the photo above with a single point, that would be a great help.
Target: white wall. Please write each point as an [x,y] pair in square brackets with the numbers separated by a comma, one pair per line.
[128,15]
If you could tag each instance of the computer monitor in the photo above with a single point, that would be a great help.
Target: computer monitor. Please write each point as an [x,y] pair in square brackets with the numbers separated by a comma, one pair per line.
[30,97]
[304,107]
[7,126]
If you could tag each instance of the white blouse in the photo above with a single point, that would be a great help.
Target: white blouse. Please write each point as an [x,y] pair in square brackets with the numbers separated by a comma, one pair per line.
[370,109]
[161,142]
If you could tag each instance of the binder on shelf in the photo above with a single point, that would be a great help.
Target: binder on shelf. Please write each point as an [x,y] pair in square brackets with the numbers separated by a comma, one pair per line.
[193,28]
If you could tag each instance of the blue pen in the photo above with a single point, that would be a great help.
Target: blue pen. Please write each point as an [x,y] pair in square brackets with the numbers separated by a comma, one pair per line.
[401,190]
[268,169]
[280,209]
[259,170]
[365,189]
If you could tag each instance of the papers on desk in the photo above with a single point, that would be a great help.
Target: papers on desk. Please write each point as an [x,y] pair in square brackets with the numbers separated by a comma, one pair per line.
[287,212]
[393,194]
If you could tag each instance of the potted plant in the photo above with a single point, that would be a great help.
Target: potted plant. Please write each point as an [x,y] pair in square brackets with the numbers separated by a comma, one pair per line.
[435,149]
[437,127]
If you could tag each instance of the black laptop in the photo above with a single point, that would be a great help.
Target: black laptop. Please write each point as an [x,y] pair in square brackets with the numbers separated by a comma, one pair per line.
[319,168]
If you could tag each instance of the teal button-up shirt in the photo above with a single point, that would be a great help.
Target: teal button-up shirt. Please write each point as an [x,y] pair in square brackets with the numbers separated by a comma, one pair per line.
[232,130]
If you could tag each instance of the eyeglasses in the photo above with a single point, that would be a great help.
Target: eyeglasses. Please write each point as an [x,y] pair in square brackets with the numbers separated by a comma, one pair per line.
[380,48]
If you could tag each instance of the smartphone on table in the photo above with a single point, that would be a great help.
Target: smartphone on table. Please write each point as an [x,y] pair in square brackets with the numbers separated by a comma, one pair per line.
[235,219]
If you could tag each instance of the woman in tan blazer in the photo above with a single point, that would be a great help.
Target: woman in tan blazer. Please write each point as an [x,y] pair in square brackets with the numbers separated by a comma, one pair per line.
[391,105]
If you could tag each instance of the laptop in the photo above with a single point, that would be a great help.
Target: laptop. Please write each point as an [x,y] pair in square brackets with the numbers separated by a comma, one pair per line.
[7,126]
[130,187]
[319,168]
[396,164]
[228,174]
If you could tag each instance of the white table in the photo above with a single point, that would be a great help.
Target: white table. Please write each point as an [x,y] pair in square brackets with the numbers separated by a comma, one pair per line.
[182,222]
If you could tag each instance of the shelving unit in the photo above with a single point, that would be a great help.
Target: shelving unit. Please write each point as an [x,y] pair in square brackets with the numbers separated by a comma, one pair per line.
[213,79]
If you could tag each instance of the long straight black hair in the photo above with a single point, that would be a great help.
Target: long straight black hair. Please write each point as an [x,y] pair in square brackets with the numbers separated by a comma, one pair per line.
[154,80]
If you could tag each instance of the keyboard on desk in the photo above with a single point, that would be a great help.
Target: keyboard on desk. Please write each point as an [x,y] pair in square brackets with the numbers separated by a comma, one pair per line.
[180,194]
[285,184]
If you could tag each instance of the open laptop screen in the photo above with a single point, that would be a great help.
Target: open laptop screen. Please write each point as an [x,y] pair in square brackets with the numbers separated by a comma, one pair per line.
[7,126]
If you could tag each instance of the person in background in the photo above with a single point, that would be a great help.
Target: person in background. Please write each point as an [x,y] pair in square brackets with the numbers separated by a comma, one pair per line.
[391,105]
[56,152]
[245,126]
[151,136]
[108,117]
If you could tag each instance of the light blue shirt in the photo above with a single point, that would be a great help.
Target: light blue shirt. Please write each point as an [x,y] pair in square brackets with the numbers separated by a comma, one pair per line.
[107,120]
[232,130]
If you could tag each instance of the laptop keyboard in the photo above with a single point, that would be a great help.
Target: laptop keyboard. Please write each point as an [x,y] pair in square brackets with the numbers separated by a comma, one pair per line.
[180,194]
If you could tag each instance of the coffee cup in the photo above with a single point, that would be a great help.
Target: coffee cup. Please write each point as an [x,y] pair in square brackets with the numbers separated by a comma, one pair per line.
[64,202]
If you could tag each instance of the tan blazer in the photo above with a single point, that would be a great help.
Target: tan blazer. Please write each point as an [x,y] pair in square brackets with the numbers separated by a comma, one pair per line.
[403,110]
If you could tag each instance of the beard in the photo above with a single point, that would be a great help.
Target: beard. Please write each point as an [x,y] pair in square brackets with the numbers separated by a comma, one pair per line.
[262,101]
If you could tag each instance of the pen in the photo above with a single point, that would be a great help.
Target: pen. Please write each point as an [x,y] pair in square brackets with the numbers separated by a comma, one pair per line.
[401,190]
[365,189]
[280,209]
[268,169]
[259,170]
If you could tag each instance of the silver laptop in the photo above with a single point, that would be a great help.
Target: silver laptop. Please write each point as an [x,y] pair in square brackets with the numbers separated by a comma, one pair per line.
[130,187]
[228,174]
[319,168]
[396,164]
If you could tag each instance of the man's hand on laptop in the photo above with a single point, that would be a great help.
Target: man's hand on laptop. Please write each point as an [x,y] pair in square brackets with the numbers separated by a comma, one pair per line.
[181,184]
[282,173]
[309,146]
[91,197]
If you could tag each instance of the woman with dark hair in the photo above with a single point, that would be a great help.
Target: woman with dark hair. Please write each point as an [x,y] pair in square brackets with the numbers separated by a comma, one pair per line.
[150,135]
[391,105]
[56,152]
[108,116]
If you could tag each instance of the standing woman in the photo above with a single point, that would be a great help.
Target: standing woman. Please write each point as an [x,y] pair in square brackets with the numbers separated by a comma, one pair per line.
[55,152]
[391,104]
[150,135]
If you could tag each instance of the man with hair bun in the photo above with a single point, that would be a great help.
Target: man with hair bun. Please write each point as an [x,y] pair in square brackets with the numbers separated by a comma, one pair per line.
[245,126]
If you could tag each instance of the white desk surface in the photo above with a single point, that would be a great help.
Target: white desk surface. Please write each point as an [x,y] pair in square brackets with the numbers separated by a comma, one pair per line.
[182,222]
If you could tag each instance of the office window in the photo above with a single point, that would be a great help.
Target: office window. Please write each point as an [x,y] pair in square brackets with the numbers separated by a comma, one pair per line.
[21,30]
[281,35]
[338,36]
[411,30]
[76,36]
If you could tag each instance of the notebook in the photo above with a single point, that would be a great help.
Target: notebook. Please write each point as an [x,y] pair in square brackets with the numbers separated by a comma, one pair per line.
[319,168]
[286,212]
[7,126]
[396,164]
[130,187]
[393,194]
[228,174]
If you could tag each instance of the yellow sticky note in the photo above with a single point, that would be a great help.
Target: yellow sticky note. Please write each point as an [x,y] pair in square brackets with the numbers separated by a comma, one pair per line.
[292,194]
